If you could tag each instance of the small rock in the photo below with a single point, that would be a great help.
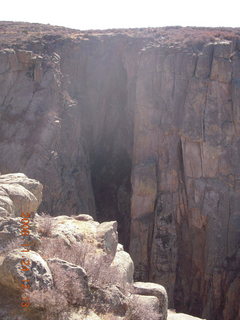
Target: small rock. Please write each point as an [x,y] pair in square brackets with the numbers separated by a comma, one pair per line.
[107,235]
[124,267]
[153,289]
[83,217]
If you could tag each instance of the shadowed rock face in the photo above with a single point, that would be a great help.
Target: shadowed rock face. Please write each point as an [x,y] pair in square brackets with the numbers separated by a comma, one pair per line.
[136,127]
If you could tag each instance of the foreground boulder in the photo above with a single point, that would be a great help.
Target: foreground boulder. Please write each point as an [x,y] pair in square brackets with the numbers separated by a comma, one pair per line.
[36,271]
[9,234]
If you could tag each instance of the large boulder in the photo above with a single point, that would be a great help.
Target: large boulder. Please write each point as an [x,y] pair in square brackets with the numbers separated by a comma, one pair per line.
[153,289]
[9,234]
[19,194]
[35,270]
[69,229]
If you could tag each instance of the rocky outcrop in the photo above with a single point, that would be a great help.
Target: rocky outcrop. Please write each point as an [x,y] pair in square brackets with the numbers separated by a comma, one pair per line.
[70,268]
[138,126]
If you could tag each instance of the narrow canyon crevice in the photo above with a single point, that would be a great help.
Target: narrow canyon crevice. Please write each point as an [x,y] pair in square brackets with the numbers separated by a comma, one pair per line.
[111,174]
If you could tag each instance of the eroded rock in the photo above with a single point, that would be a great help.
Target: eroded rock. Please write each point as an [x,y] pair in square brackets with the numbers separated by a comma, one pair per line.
[36,271]
[108,237]
[124,267]
[156,290]
[19,194]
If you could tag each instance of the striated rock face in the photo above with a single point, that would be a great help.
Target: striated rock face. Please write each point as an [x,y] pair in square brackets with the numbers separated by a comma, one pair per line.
[185,202]
[139,126]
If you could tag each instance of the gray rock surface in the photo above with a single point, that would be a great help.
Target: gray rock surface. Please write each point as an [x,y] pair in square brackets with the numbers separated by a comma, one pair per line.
[107,236]
[144,307]
[19,194]
[156,290]
[123,265]
[10,231]
[37,273]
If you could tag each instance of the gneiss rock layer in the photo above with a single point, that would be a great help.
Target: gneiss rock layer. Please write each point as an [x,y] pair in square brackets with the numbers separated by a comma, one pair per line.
[138,126]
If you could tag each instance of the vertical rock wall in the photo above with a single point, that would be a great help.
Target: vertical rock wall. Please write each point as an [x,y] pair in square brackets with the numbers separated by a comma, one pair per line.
[185,176]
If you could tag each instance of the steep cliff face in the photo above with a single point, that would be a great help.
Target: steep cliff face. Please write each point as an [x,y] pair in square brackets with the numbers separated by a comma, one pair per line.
[185,200]
[141,126]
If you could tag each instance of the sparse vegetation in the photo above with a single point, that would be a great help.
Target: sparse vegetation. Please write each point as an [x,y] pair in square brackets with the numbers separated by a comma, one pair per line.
[45,225]
[102,292]
[136,311]
[55,303]
[83,254]
[19,33]
[49,302]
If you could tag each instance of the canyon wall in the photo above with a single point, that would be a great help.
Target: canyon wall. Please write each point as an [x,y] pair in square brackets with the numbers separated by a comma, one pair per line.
[141,126]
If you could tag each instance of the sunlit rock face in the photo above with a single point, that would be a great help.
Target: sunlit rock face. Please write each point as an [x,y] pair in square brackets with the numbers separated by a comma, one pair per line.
[139,126]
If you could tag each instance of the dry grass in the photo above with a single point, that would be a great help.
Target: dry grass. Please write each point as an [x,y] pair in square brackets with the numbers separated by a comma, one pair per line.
[45,225]
[85,255]
[51,303]
[20,34]
[55,303]
[136,311]
[67,285]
